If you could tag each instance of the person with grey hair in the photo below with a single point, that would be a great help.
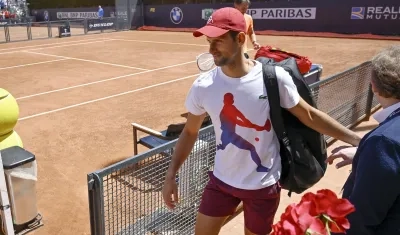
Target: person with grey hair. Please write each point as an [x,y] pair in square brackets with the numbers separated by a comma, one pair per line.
[373,186]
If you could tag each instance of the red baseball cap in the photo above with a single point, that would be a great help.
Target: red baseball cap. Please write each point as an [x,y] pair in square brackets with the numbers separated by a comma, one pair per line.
[222,21]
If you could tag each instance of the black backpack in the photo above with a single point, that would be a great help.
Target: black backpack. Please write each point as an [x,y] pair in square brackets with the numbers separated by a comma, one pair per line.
[303,150]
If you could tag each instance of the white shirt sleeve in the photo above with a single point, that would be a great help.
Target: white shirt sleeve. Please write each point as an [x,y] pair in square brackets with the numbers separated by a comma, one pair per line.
[289,96]
[193,101]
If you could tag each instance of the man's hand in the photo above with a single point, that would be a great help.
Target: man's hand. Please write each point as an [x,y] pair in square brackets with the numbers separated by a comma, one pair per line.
[182,150]
[345,152]
[170,193]
[256,45]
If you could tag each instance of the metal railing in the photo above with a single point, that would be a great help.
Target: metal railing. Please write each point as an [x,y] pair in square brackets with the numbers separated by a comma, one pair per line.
[125,198]
[13,31]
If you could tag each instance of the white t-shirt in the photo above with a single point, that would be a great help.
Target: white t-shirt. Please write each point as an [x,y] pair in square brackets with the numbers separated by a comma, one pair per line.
[241,146]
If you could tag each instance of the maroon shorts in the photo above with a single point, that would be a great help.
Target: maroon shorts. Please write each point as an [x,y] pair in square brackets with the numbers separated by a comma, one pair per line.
[259,206]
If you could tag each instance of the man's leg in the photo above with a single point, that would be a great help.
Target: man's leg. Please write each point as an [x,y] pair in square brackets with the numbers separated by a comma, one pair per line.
[248,232]
[216,205]
[207,225]
[259,207]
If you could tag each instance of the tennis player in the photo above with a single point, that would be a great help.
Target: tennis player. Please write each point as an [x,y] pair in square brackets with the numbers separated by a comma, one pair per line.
[247,162]
[243,6]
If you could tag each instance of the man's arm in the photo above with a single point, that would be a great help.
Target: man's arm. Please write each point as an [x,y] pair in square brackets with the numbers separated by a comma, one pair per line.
[323,123]
[252,35]
[375,185]
[310,116]
[185,143]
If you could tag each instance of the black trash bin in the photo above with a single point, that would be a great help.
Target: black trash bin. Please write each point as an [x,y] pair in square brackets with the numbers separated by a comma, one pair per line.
[64,31]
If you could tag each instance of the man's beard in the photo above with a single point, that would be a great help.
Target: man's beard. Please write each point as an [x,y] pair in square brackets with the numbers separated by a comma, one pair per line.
[221,62]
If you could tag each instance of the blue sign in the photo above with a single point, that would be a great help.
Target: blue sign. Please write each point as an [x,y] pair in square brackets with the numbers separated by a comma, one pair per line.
[357,13]
[176,15]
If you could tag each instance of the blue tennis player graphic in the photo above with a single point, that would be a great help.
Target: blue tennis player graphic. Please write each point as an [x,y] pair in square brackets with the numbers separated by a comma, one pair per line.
[230,117]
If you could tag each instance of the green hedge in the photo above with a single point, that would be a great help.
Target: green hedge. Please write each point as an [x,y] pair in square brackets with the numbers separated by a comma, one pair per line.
[45,4]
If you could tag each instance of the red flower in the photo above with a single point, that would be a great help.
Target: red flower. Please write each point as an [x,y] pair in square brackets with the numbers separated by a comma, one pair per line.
[289,223]
[340,225]
[307,220]
[316,213]
[335,209]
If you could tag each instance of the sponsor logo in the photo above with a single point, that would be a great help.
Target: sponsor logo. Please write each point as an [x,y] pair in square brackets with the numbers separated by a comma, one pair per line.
[357,13]
[375,13]
[210,20]
[206,13]
[98,25]
[46,15]
[176,15]
[77,15]
[3,22]
[283,13]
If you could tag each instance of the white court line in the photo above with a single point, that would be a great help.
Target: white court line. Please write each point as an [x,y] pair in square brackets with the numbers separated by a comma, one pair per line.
[72,44]
[24,65]
[92,61]
[106,80]
[47,44]
[107,97]
[57,43]
[170,43]
[67,45]
[101,81]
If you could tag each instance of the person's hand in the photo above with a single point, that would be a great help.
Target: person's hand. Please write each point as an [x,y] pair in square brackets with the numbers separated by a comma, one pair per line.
[345,152]
[170,192]
[256,45]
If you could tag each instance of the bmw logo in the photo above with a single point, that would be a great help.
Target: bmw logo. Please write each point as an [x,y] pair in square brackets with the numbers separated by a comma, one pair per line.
[176,15]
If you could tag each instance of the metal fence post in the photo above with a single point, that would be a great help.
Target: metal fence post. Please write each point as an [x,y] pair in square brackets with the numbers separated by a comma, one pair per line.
[96,211]
[7,33]
[117,28]
[29,30]
[370,98]
[85,26]
[49,30]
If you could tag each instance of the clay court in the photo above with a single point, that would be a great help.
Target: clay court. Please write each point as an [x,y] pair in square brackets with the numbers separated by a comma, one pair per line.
[78,97]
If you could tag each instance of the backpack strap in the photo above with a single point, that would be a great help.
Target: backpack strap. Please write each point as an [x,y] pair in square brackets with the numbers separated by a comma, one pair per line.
[271,85]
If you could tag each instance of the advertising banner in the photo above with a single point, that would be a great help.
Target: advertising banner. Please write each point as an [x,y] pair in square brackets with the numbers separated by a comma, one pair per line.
[283,13]
[349,17]
[77,15]
[70,13]
[101,24]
